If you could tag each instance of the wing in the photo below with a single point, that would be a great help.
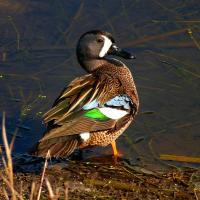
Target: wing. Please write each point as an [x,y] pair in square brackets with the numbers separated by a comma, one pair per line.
[71,98]
[75,110]
[83,107]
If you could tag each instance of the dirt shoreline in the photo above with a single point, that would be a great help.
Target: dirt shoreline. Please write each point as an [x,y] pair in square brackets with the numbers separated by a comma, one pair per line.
[108,180]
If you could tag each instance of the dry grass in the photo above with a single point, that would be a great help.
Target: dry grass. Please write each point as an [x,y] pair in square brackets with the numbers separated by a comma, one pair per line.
[89,180]
[9,190]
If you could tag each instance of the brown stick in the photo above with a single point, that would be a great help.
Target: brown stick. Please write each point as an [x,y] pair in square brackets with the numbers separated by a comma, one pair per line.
[180,158]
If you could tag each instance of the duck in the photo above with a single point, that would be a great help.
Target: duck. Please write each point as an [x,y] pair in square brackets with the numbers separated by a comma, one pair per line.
[96,108]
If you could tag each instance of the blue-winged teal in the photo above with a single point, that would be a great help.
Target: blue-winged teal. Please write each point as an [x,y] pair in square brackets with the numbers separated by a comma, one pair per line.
[94,109]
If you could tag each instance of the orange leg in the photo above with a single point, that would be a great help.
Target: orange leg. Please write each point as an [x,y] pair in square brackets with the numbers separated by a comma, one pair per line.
[114,147]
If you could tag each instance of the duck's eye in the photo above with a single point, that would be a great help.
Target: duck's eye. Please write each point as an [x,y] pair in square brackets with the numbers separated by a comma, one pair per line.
[99,40]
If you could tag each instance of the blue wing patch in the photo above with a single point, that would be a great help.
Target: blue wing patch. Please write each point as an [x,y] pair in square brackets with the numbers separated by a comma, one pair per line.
[123,101]
[91,105]
[120,101]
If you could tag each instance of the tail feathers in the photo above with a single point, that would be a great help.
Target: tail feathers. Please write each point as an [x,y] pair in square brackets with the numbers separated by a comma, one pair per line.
[61,147]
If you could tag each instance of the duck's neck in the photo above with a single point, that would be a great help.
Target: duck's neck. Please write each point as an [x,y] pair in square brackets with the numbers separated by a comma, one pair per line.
[91,65]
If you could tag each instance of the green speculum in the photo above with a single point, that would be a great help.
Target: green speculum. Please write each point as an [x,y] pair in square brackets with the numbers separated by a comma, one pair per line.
[96,114]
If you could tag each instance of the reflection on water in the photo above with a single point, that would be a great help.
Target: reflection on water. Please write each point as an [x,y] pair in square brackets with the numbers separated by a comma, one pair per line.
[37,59]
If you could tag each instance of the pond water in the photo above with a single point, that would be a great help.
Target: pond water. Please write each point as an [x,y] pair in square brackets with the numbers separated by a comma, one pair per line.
[37,60]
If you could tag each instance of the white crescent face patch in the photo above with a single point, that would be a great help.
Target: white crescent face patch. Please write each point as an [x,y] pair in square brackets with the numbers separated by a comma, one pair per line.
[106,46]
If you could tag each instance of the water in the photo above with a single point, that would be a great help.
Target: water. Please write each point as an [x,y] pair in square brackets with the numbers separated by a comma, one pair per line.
[37,59]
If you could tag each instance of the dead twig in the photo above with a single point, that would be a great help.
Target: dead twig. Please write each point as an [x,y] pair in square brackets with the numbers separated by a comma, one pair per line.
[8,166]
[52,196]
[43,173]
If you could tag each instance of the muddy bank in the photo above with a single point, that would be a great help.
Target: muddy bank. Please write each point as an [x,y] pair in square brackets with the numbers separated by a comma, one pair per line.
[99,179]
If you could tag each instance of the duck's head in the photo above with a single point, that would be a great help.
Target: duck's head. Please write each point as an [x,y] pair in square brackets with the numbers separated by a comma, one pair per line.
[94,45]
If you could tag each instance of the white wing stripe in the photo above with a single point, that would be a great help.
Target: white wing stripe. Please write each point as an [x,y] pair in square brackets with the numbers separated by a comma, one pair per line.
[113,113]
